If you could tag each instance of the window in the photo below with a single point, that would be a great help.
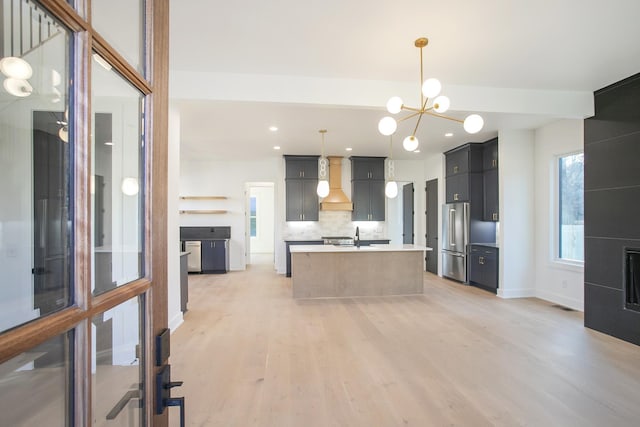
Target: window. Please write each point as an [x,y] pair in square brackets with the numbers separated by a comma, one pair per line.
[252,216]
[571,207]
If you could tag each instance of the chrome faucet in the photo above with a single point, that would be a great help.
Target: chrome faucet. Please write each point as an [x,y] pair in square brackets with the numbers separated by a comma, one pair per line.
[357,239]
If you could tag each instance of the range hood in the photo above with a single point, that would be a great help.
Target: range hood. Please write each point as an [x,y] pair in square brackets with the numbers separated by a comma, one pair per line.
[336,200]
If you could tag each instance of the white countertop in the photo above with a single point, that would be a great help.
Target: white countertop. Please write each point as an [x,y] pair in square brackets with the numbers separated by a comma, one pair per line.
[372,248]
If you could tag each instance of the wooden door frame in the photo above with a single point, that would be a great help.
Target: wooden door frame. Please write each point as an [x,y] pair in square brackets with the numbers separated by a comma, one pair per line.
[153,286]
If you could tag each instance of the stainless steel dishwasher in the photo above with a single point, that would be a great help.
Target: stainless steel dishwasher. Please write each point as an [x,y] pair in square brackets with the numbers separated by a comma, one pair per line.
[194,260]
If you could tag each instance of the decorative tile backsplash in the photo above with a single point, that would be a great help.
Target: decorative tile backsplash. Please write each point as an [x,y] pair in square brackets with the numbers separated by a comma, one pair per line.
[333,223]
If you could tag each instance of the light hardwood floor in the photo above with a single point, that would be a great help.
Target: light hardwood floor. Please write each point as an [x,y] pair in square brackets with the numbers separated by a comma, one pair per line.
[250,355]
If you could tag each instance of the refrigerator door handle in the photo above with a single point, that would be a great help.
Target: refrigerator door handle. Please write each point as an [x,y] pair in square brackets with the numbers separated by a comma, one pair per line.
[452,227]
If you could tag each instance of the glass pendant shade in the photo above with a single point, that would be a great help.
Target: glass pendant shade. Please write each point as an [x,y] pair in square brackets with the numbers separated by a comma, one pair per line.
[323,188]
[16,68]
[441,104]
[410,143]
[130,186]
[387,126]
[431,88]
[17,87]
[391,189]
[394,105]
[473,123]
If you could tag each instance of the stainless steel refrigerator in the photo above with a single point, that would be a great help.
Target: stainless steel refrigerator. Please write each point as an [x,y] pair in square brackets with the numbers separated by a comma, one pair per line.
[455,238]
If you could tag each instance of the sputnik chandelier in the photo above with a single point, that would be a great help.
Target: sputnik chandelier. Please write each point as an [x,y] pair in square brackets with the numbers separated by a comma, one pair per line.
[430,89]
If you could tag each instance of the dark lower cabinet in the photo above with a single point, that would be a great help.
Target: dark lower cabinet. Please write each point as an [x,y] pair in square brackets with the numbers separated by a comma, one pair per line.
[483,267]
[214,256]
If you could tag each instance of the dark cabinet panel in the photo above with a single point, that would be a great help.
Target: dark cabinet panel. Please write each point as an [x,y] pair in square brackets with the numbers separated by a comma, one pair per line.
[464,159]
[457,188]
[367,168]
[367,188]
[490,183]
[214,255]
[301,186]
[360,199]
[301,167]
[483,267]
[301,200]
[368,200]
[490,154]
[184,283]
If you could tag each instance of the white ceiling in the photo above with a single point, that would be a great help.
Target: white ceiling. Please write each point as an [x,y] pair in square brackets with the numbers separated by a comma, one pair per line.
[556,46]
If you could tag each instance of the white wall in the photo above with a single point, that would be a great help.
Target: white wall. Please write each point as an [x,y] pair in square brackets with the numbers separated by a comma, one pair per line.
[173,221]
[229,178]
[554,281]
[517,222]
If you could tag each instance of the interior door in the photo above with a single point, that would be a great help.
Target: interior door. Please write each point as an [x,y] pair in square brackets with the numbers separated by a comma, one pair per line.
[431,234]
[407,214]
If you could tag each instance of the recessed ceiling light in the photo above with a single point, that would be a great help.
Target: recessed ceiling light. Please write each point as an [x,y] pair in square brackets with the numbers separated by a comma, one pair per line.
[349,149]
[276,147]
[448,134]
[273,128]
[108,143]
[416,151]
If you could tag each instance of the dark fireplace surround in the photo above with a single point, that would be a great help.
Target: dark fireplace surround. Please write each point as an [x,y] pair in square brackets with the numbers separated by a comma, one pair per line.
[612,210]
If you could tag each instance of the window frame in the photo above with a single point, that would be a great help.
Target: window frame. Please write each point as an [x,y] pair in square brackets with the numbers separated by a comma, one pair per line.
[556,229]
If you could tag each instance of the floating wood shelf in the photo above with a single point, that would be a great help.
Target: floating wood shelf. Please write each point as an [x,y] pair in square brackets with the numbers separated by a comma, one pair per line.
[199,211]
[203,197]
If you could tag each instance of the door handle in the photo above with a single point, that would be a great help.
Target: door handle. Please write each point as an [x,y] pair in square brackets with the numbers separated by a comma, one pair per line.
[452,218]
[163,393]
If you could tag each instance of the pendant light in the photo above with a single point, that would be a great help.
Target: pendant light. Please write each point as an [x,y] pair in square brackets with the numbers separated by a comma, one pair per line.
[391,189]
[430,91]
[323,183]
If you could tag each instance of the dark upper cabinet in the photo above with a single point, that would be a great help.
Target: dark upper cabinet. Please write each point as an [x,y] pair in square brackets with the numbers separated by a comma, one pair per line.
[490,154]
[367,168]
[367,188]
[301,167]
[213,256]
[301,181]
[301,200]
[490,187]
[464,159]
[483,267]
[457,188]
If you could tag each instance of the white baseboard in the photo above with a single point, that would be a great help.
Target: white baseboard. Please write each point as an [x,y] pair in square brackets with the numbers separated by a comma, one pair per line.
[176,321]
[516,293]
[573,303]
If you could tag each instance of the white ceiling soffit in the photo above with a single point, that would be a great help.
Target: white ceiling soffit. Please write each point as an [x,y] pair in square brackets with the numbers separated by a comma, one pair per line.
[519,63]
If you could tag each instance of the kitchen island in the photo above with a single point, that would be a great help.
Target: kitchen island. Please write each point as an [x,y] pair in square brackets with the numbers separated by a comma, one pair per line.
[321,271]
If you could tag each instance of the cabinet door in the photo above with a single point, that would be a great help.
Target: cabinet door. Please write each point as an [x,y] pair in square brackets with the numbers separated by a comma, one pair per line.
[490,154]
[360,199]
[309,204]
[490,181]
[457,188]
[476,268]
[213,256]
[367,168]
[457,162]
[301,168]
[490,260]
[294,199]
[310,169]
[376,200]
[376,167]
